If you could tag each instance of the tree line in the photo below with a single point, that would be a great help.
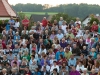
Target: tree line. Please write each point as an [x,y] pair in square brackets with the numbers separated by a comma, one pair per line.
[75,10]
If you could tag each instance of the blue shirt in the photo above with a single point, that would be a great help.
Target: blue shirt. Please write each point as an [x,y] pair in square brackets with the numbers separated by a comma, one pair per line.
[94,55]
[11,21]
[16,37]
[60,36]
[7,27]
[37,73]
[58,55]
[60,22]
[72,62]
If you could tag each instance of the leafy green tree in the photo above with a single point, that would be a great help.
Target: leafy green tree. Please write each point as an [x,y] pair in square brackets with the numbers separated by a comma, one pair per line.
[65,16]
[21,15]
[94,19]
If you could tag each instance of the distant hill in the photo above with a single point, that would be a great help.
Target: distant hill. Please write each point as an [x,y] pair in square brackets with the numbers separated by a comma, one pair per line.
[75,10]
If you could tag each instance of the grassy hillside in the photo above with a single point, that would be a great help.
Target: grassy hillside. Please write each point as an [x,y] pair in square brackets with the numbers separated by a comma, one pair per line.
[28,14]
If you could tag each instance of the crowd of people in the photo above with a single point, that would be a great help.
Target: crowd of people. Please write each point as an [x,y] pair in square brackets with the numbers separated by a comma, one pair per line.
[57,48]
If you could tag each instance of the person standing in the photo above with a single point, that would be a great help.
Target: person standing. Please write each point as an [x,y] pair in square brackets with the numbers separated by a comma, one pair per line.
[11,22]
[25,22]
[44,22]
[3,25]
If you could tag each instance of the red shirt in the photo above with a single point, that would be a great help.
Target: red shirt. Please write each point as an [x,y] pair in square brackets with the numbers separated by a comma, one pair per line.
[44,22]
[59,62]
[25,22]
[28,73]
[74,31]
[94,28]
[3,44]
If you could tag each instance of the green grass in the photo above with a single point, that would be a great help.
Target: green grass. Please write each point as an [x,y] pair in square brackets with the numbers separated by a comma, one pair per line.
[28,14]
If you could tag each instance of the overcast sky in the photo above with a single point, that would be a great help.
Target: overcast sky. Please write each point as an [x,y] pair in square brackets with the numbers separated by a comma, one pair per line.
[54,2]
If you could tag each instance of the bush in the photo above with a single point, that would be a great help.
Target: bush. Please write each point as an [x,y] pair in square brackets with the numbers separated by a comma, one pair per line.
[65,16]
[21,15]
[6,21]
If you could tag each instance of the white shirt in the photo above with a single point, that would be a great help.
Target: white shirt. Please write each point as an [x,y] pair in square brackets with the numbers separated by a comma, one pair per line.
[31,61]
[53,67]
[51,61]
[41,51]
[32,31]
[84,74]
[24,31]
[79,22]
[79,67]
[47,68]
[64,28]
[16,24]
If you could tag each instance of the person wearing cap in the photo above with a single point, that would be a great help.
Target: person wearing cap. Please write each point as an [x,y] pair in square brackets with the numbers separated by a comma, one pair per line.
[85,72]
[67,54]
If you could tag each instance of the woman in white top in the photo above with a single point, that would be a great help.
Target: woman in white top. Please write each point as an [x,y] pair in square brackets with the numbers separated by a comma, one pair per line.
[80,66]
[17,24]
[25,31]
[64,26]
[42,50]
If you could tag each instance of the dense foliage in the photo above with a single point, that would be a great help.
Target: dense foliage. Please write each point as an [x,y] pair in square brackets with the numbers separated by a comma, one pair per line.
[76,10]
[94,19]
[66,17]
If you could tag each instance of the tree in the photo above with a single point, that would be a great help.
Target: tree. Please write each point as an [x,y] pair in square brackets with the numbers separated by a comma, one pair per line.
[94,19]
[65,16]
[21,15]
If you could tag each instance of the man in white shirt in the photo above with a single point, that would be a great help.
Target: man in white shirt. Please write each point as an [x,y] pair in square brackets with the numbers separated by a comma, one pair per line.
[54,66]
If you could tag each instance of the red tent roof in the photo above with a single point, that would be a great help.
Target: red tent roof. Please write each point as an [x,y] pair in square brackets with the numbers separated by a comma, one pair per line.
[6,10]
